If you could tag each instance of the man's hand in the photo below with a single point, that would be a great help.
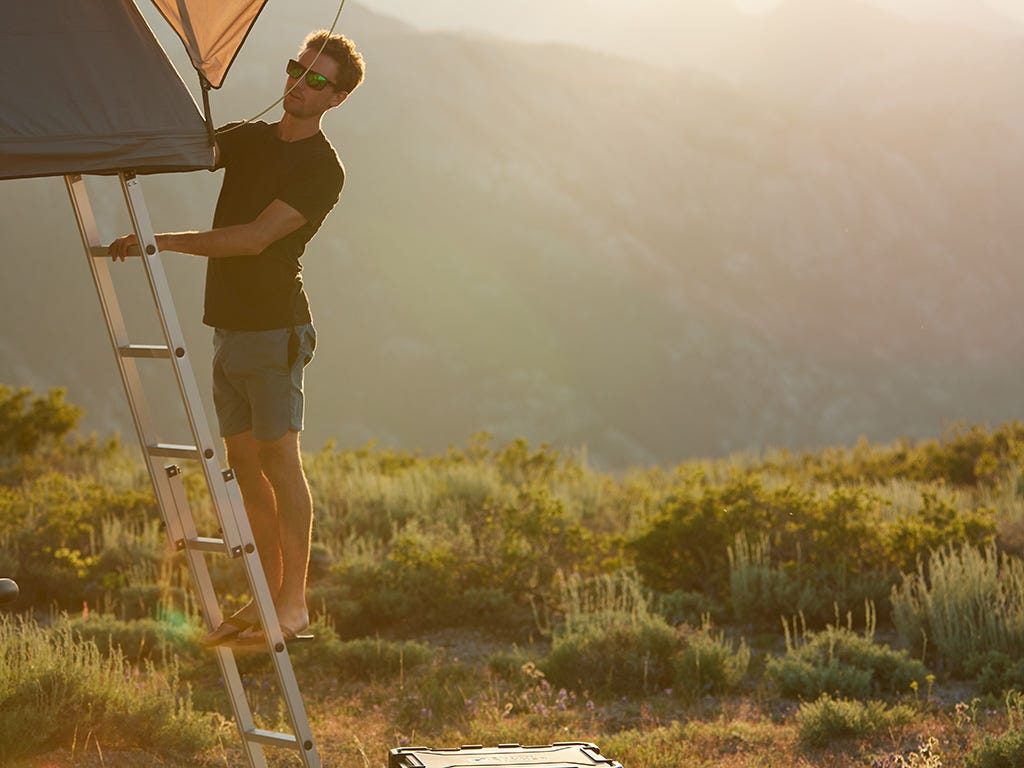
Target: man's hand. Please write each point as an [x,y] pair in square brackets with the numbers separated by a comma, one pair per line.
[118,249]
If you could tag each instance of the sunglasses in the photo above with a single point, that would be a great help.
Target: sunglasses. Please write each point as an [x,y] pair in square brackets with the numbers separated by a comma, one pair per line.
[314,80]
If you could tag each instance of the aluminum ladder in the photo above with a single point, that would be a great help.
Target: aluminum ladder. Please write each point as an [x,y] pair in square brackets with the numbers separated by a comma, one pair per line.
[237,539]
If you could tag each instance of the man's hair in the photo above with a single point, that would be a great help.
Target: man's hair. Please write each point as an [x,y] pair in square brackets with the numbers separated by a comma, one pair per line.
[351,67]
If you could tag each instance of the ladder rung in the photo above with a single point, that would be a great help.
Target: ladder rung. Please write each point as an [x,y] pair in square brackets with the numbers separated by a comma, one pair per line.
[171,451]
[145,350]
[272,738]
[100,251]
[204,544]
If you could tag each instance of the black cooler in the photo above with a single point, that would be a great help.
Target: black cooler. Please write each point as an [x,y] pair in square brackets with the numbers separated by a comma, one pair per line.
[576,754]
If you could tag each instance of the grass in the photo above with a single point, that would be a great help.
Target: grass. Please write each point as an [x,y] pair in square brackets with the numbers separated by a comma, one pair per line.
[514,594]
[54,683]
[367,696]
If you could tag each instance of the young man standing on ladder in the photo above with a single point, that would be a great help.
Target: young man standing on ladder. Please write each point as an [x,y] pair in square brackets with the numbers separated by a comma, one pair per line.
[281,180]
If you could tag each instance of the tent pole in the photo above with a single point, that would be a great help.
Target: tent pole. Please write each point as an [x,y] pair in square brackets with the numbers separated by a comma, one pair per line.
[206,108]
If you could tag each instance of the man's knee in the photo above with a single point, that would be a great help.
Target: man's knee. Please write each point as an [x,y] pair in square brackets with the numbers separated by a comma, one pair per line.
[243,456]
[280,458]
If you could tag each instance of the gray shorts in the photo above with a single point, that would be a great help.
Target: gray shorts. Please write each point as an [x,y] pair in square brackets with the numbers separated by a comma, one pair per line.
[257,379]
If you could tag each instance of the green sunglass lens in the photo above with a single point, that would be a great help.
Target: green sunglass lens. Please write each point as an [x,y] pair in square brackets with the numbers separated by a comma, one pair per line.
[315,81]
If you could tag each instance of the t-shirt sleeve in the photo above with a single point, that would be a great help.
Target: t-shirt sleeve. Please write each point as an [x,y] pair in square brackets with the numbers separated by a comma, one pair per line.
[228,138]
[314,188]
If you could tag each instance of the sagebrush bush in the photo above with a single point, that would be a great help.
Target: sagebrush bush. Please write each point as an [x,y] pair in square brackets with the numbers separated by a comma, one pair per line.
[826,719]
[616,655]
[996,672]
[610,643]
[967,601]
[1005,750]
[708,662]
[840,662]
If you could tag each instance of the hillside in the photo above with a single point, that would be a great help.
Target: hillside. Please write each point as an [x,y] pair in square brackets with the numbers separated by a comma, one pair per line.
[554,243]
[716,37]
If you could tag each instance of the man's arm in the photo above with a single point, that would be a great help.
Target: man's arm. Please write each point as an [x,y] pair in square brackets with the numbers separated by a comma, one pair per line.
[277,220]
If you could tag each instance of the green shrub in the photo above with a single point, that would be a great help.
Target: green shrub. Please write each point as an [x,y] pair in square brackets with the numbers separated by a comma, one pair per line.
[967,602]
[965,456]
[617,655]
[508,664]
[686,544]
[826,719]
[938,523]
[708,663]
[761,592]
[51,526]
[996,672]
[681,607]
[839,662]
[610,644]
[1004,750]
[824,549]
[29,422]
[494,564]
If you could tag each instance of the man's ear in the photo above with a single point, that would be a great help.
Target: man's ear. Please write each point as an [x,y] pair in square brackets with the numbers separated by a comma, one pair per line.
[338,97]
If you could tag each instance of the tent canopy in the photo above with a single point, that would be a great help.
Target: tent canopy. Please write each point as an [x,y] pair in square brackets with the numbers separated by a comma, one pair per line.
[86,88]
[212,31]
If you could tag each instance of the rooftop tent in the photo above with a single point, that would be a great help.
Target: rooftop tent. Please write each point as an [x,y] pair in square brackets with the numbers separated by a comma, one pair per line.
[86,88]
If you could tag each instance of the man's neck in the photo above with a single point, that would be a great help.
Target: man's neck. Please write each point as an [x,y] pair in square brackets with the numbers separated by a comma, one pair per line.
[291,128]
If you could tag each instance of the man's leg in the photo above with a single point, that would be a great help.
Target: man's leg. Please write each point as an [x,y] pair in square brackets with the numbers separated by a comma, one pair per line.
[281,464]
[261,508]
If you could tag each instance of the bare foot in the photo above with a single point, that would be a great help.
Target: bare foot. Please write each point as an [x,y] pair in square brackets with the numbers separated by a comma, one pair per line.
[229,629]
[293,620]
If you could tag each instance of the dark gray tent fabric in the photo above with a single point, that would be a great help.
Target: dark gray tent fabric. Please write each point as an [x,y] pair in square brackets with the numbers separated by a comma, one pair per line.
[86,88]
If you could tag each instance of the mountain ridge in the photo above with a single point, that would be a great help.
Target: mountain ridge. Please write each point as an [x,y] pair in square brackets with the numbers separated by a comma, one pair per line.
[660,267]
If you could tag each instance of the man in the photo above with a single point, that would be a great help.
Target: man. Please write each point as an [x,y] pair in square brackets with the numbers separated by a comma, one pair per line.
[280,182]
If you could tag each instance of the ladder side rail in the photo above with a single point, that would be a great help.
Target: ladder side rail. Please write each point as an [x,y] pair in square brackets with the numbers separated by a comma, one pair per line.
[100,270]
[274,636]
[181,528]
[160,288]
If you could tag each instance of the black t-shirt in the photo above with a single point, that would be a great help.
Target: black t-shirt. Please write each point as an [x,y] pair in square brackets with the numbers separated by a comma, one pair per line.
[263,292]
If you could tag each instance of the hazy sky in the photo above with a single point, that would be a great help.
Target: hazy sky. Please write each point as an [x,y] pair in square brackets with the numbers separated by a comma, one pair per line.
[424,13]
